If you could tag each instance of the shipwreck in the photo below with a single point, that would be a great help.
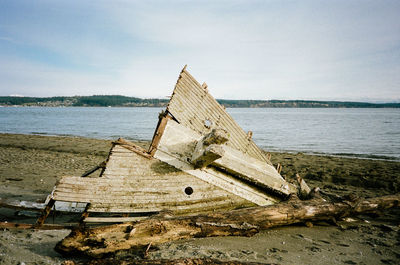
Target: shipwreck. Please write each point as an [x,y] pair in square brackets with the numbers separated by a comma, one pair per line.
[199,160]
[201,176]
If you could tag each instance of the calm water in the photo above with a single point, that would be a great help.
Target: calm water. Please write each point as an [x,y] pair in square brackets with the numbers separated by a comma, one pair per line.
[360,132]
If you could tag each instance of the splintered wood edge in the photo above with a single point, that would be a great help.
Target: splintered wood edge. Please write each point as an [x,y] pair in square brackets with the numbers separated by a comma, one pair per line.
[158,133]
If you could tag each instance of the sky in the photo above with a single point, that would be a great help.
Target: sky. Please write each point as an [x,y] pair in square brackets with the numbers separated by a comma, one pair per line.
[320,50]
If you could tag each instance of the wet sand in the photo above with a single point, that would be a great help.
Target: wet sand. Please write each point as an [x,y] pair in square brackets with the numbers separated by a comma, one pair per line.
[30,165]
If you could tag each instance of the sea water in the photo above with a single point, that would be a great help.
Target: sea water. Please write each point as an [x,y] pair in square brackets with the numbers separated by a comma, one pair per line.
[352,132]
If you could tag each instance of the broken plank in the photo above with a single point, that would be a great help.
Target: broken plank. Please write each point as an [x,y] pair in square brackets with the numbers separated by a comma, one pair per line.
[209,148]
[133,147]
[162,121]
[207,155]
[253,170]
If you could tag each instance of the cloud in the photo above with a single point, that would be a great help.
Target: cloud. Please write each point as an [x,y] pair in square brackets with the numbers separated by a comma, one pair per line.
[242,49]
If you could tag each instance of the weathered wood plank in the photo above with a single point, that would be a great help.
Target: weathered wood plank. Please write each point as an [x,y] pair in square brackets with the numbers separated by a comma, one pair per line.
[136,197]
[207,155]
[132,147]
[113,219]
[209,148]
[140,201]
[253,170]
[131,164]
[165,191]
[118,149]
[162,121]
[130,185]
[130,199]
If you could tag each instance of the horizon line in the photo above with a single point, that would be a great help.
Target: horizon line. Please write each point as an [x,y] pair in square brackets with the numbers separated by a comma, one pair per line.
[372,101]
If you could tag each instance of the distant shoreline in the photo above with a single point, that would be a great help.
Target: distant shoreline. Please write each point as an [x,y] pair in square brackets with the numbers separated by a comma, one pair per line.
[386,158]
[122,101]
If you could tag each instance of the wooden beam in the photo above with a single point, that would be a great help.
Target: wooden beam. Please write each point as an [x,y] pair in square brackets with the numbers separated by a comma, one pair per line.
[208,148]
[133,147]
[254,171]
[113,219]
[207,155]
[162,122]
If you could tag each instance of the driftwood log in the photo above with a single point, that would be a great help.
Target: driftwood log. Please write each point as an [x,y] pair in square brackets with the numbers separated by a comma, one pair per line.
[102,241]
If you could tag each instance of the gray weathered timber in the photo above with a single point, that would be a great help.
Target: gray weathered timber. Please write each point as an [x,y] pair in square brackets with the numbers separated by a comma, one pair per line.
[207,155]
[192,106]
[132,147]
[113,219]
[253,170]
[209,148]
[123,162]
[176,148]
[179,142]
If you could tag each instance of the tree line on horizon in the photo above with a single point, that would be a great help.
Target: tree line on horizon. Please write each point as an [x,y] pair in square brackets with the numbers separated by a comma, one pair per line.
[123,101]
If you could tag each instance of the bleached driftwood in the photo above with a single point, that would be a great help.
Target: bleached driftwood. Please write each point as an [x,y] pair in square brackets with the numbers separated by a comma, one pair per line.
[98,242]
[209,148]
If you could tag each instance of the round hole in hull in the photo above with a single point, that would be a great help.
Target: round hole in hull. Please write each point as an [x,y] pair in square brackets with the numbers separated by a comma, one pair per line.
[189,190]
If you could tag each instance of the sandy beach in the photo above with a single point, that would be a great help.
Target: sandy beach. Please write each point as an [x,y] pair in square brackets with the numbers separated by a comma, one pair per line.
[30,165]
